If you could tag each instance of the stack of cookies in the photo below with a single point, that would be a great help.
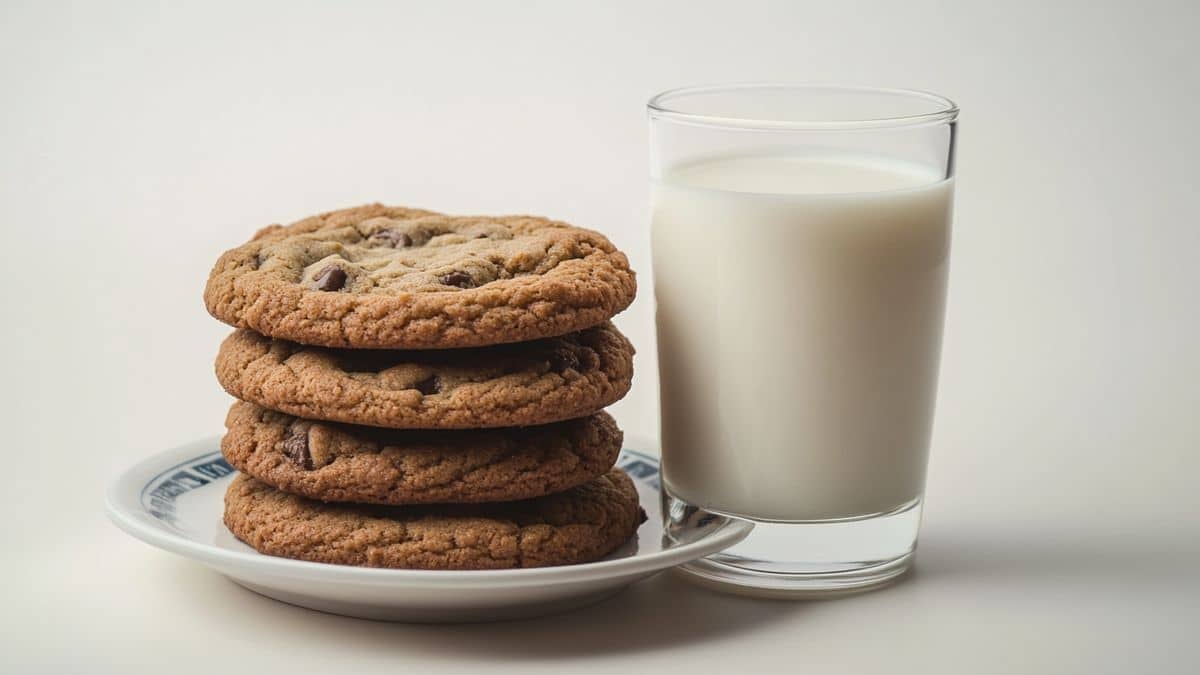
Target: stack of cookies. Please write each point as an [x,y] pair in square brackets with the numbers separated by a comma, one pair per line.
[425,391]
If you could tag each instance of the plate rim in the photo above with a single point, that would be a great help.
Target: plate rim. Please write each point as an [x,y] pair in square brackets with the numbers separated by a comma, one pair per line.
[123,506]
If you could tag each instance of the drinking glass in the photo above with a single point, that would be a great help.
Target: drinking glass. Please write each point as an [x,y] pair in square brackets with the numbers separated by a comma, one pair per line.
[800,238]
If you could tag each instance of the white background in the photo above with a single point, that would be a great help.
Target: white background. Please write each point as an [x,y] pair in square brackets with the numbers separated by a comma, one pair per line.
[139,140]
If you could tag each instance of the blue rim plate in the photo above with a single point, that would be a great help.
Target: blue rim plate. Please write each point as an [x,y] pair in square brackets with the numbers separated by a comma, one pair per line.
[173,500]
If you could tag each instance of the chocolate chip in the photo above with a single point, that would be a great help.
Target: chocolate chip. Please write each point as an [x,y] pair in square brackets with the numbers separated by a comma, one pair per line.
[481,235]
[459,279]
[295,447]
[562,359]
[429,385]
[331,278]
[642,517]
[391,238]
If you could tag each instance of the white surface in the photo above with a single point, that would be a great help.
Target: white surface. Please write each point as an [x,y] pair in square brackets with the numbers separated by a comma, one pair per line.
[831,302]
[152,502]
[139,140]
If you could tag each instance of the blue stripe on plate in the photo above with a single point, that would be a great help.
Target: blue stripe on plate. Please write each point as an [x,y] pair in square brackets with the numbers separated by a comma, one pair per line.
[160,492]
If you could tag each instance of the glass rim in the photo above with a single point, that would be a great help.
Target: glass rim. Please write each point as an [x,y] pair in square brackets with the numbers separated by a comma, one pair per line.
[657,108]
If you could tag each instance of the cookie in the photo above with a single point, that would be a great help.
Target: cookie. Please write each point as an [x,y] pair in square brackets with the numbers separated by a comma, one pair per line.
[377,277]
[580,525]
[342,463]
[505,385]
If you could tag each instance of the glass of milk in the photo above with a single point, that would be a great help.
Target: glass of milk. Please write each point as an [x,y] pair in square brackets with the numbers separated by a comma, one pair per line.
[800,237]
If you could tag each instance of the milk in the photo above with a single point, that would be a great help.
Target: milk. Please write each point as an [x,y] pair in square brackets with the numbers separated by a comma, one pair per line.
[800,302]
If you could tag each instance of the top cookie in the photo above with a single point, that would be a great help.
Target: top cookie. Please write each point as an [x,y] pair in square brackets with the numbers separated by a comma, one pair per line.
[378,277]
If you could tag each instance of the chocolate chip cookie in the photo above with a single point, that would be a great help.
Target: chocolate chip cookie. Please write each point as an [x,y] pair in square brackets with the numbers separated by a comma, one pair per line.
[343,463]
[505,385]
[378,277]
[579,525]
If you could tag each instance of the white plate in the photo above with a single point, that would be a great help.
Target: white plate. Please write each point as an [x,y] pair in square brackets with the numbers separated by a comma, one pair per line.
[173,500]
